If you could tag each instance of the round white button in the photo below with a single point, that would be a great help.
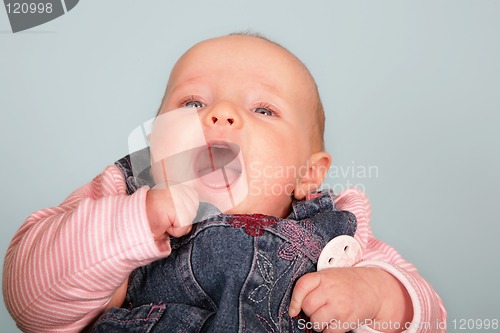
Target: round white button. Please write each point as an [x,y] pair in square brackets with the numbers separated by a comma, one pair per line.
[342,251]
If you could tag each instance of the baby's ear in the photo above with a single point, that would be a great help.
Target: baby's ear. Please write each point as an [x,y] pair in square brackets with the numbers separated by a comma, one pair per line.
[316,170]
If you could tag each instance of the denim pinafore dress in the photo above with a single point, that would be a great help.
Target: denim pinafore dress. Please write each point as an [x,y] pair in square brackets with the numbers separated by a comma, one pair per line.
[231,273]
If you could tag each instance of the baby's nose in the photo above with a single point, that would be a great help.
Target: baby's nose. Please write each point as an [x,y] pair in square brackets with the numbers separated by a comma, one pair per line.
[230,121]
[223,114]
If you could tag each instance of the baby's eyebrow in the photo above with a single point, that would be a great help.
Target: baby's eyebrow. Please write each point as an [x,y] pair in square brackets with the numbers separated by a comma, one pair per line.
[188,86]
[197,81]
[192,79]
[273,87]
[185,83]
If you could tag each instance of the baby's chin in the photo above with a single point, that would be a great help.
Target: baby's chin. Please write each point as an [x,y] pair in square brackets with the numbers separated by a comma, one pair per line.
[273,206]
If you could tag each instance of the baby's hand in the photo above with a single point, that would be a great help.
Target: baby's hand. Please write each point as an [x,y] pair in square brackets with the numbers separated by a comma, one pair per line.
[338,297]
[170,211]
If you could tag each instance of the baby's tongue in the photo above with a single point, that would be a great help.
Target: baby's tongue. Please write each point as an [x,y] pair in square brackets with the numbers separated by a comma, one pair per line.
[218,167]
[220,178]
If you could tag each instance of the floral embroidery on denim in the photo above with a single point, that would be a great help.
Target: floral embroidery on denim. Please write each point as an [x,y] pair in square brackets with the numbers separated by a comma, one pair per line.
[265,324]
[300,241]
[259,294]
[263,293]
[254,224]
[266,268]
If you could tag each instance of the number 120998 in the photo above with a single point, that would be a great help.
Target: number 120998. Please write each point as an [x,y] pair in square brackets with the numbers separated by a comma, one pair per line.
[32,8]
[475,324]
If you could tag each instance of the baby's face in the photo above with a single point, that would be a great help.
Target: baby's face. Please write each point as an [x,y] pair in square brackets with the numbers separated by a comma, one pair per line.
[251,97]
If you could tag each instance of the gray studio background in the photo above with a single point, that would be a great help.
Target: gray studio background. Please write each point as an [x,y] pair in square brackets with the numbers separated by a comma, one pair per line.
[410,87]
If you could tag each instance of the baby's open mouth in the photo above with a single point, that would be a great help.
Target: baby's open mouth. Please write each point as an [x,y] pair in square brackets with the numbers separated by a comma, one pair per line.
[218,165]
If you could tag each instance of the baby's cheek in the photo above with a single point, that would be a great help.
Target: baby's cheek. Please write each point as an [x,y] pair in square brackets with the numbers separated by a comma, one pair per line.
[263,185]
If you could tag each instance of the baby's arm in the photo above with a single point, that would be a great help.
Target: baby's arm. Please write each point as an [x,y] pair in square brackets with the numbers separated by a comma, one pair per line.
[64,263]
[382,268]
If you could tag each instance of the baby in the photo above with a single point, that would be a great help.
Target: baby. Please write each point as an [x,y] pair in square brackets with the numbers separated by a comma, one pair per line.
[251,269]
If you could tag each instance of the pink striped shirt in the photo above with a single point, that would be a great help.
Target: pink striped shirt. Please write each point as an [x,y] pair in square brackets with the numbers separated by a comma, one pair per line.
[64,263]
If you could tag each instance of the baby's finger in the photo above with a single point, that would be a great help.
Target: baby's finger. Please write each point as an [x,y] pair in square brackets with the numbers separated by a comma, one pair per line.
[179,231]
[185,214]
[303,287]
[186,202]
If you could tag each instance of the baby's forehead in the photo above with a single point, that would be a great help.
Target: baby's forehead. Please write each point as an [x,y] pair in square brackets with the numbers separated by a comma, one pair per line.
[250,54]
[250,49]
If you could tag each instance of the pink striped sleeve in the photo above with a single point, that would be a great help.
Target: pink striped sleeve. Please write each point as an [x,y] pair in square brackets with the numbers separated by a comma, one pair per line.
[428,308]
[64,263]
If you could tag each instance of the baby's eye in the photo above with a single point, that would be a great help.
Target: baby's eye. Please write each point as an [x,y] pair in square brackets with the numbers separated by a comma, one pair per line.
[194,104]
[264,111]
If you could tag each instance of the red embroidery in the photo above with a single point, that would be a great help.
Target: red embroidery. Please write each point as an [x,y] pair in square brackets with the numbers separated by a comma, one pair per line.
[300,240]
[254,224]
[311,196]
